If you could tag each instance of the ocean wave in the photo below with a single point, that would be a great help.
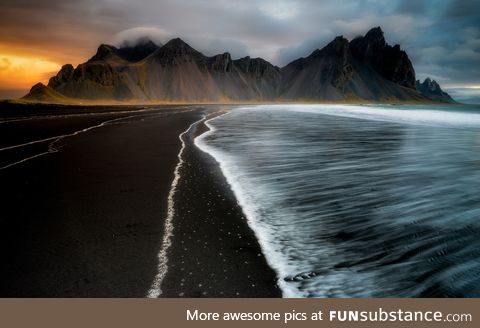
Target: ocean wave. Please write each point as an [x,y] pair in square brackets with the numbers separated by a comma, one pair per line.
[419,114]
[346,205]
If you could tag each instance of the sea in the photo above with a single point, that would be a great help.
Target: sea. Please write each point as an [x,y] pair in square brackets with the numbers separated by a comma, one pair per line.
[358,200]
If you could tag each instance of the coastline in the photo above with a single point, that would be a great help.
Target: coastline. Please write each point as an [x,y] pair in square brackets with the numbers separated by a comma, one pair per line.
[19,103]
[214,252]
[261,233]
[162,266]
[87,220]
[98,188]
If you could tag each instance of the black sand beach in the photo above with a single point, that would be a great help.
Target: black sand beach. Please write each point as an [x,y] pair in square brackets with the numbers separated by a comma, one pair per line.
[214,253]
[85,218]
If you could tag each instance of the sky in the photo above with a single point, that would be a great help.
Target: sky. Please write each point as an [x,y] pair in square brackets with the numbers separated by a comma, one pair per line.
[442,37]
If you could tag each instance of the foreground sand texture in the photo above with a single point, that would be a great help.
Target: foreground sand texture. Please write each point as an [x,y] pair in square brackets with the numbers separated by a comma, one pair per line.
[216,254]
[83,214]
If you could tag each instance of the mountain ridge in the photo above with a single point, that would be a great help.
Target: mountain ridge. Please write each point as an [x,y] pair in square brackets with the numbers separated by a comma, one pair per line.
[366,68]
[433,90]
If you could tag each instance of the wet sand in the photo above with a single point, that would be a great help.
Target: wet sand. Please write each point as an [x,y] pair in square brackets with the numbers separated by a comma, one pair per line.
[86,217]
[86,221]
[214,253]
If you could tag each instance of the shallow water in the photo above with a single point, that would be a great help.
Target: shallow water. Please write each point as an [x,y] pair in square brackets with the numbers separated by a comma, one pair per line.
[358,201]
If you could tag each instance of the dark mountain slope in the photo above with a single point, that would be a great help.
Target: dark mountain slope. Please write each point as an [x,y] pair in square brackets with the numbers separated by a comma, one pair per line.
[335,73]
[431,89]
[365,69]
[390,62]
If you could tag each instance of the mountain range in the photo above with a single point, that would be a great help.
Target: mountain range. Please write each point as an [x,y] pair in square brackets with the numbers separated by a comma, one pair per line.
[366,68]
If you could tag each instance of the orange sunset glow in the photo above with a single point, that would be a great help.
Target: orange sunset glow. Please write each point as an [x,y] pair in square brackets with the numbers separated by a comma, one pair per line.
[21,72]
[22,67]
[38,37]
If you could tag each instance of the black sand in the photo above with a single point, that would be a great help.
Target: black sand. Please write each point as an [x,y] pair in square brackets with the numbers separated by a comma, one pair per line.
[87,220]
[214,253]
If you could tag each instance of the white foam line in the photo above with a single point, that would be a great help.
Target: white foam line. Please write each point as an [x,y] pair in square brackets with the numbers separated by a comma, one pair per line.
[29,118]
[21,119]
[24,160]
[162,267]
[66,135]
[80,131]
[272,257]
[51,149]
[407,115]
[66,115]
[33,142]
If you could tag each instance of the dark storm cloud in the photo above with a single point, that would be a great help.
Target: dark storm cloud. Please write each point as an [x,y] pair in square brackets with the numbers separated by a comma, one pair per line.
[442,37]
[462,9]
[412,7]
[59,29]
[450,48]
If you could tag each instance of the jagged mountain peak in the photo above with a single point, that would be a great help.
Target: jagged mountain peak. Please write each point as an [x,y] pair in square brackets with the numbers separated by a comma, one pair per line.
[375,33]
[138,50]
[178,44]
[429,84]
[432,90]
[106,48]
[177,51]
[364,68]
[337,46]
[132,52]
[339,39]
[43,93]
[365,47]
[68,67]
[103,52]
[177,48]
[65,74]
[38,86]
[390,62]
[142,41]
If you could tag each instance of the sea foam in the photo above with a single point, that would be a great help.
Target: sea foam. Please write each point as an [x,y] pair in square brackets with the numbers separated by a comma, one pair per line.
[356,201]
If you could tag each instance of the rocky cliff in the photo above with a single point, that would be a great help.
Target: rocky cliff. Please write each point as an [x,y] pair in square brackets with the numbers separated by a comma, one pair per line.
[392,63]
[431,89]
[367,68]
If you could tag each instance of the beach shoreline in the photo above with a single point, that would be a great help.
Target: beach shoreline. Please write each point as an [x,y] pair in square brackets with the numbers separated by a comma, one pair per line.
[86,219]
[214,253]
[86,196]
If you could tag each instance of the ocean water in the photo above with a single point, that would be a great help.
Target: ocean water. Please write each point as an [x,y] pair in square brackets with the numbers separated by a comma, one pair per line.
[358,201]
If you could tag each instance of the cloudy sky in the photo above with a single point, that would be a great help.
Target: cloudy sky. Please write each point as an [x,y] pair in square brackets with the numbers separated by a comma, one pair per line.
[442,37]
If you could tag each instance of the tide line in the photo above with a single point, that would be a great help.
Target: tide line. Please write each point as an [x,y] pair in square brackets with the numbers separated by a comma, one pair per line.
[162,267]
[55,139]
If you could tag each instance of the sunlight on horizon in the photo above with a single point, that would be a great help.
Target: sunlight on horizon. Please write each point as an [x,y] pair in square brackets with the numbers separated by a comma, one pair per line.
[22,72]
